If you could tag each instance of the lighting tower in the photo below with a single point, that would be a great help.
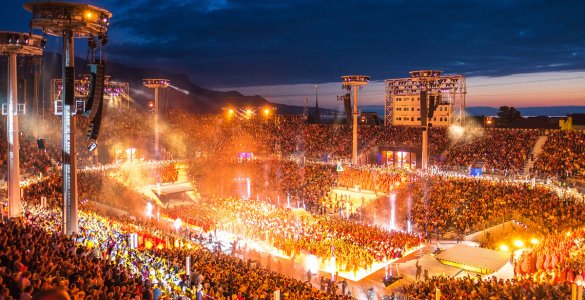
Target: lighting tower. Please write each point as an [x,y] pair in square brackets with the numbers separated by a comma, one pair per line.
[426,79]
[13,44]
[69,21]
[354,82]
[156,84]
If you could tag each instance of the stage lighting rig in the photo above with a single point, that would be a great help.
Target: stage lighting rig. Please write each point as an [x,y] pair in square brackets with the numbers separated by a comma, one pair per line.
[69,21]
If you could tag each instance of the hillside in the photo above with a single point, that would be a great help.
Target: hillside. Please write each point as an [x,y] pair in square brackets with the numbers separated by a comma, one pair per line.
[198,99]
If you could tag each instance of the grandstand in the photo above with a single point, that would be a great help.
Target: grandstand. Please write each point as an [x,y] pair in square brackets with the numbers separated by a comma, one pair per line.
[266,206]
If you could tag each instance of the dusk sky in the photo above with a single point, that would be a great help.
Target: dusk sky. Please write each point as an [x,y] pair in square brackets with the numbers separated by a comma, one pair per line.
[513,52]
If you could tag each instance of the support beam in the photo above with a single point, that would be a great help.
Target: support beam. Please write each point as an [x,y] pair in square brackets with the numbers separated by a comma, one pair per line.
[14,207]
[354,154]
[156,143]
[425,148]
[69,161]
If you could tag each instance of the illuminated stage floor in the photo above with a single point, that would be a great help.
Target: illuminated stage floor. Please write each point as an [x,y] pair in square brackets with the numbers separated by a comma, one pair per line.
[304,261]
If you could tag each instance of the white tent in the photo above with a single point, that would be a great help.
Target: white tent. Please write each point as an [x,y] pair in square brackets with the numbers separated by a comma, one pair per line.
[475,259]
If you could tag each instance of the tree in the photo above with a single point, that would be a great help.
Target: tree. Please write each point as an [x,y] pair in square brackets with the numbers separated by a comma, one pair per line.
[508,114]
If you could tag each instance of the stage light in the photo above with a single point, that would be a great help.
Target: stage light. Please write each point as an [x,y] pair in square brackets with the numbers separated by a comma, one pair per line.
[456,131]
[534,241]
[177,224]
[266,111]
[149,209]
[88,15]
[231,111]
[92,146]
[504,248]
[312,264]
[518,243]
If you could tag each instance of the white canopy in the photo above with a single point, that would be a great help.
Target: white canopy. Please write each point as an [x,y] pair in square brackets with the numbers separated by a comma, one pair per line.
[475,259]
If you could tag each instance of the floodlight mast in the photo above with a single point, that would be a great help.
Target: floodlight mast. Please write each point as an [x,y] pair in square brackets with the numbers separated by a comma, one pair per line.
[426,78]
[69,21]
[353,82]
[156,84]
[13,44]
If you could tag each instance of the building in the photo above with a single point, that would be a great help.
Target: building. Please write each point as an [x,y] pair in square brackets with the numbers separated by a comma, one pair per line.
[426,97]
[573,122]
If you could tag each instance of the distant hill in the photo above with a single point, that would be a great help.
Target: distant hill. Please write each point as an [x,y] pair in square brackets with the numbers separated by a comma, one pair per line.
[198,99]
[552,111]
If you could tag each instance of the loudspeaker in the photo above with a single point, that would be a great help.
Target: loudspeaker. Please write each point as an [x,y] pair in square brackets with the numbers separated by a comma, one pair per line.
[96,122]
[423,108]
[433,104]
[347,106]
[69,87]
[96,89]
[41,144]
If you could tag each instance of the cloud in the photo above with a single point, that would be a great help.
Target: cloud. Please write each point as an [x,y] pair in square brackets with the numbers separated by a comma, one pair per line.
[223,43]
[520,90]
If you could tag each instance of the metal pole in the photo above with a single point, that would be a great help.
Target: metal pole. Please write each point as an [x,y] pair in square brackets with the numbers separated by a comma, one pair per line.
[156,149]
[68,132]
[355,127]
[36,94]
[425,148]
[14,208]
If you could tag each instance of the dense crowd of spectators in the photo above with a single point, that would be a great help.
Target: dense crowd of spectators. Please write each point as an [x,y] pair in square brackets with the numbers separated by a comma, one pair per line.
[371,179]
[563,155]
[560,257]
[355,246]
[499,149]
[34,256]
[99,263]
[184,135]
[491,288]
[440,204]
[286,135]
[269,179]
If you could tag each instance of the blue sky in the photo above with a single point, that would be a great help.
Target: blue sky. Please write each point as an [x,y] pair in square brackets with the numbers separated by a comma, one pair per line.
[511,51]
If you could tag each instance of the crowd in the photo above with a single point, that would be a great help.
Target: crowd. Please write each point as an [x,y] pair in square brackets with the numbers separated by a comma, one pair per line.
[100,263]
[286,135]
[355,246]
[34,256]
[559,257]
[184,135]
[269,179]
[491,288]
[563,155]
[33,161]
[440,204]
[499,149]
[371,179]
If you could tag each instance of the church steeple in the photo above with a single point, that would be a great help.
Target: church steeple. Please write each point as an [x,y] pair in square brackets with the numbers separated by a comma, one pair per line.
[317,116]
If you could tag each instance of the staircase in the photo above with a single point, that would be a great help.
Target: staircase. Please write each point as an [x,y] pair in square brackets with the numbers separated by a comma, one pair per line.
[536,150]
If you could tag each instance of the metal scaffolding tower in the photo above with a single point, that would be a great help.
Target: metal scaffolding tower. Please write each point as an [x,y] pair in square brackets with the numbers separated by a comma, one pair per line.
[353,82]
[69,21]
[451,89]
[114,92]
[13,44]
[156,84]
